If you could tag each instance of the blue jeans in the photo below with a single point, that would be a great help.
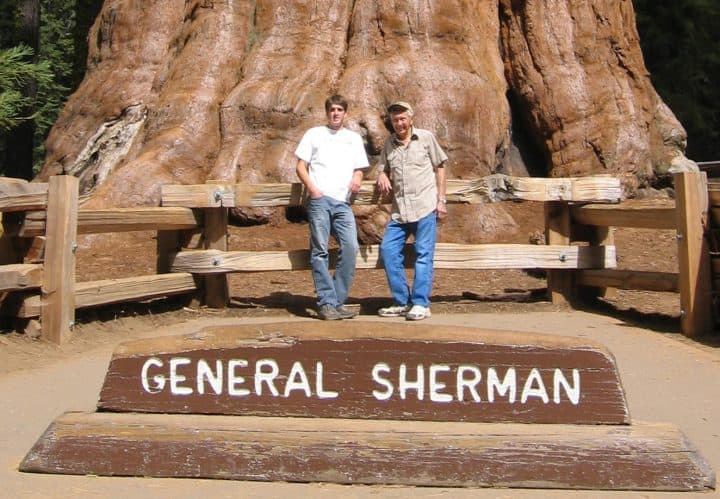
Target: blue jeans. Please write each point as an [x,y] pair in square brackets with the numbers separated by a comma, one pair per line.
[328,216]
[391,251]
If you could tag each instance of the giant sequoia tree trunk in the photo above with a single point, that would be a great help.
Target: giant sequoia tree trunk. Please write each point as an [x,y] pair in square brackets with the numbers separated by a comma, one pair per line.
[188,91]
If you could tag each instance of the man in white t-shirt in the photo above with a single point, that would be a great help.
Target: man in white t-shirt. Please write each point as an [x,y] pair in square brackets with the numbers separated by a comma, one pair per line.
[331,160]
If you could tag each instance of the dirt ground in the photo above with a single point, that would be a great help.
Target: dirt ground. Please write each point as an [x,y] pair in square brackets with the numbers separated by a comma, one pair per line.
[278,293]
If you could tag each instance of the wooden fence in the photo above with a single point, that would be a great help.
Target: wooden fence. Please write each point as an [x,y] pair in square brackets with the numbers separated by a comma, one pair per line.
[41,223]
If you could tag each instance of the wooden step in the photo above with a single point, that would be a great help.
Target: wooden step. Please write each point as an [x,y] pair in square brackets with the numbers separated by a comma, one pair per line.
[351,451]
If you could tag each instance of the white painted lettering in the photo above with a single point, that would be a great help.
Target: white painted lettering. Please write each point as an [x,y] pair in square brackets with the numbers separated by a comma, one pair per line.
[215,379]
[436,386]
[529,391]
[212,377]
[321,392]
[297,380]
[573,393]
[176,379]
[508,384]
[266,377]
[471,384]
[158,380]
[234,380]
[418,385]
[377,369]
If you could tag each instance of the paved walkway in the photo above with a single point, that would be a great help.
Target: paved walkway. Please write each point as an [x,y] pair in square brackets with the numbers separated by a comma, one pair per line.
[667,379]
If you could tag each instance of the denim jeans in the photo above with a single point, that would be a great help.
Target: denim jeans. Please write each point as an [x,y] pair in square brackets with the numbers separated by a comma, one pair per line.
[391,251]
[328,216]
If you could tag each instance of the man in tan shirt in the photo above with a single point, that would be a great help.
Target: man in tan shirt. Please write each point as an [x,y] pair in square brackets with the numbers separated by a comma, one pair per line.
[411,166]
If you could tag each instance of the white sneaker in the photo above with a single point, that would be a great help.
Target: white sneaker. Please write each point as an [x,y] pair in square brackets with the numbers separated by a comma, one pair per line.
[418,313]
[394,311]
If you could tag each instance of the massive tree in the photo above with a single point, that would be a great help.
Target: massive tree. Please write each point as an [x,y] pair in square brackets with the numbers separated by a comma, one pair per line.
[190,91]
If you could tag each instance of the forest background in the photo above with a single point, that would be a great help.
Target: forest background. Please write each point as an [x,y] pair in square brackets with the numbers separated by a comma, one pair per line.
[43,52]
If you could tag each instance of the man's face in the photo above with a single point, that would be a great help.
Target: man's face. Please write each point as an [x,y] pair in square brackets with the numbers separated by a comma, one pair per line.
[335,116]
[402,124]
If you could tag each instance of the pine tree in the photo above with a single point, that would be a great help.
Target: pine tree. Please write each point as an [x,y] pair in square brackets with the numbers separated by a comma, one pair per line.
[679,43]
[15,72]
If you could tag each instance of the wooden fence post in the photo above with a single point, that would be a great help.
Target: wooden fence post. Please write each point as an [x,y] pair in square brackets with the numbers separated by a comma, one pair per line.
[604,236]
[557,231]
[167,245]
[58,288]
[691,200]
[595,235]
[215,236]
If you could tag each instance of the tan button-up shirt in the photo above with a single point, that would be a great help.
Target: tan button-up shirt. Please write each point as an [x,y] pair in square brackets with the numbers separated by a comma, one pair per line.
[411,170]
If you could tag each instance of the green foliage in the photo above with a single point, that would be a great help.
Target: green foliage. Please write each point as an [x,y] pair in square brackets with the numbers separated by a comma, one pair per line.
[63,29]
[15,73]
[57,48]
[679,43]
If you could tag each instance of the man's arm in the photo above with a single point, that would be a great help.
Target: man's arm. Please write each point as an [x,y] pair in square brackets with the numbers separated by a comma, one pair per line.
[383,183]
[356,181]
[383,177]
[440,182]
[304,175]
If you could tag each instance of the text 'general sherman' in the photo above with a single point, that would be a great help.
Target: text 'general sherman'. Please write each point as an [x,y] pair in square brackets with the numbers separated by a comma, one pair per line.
[433,382]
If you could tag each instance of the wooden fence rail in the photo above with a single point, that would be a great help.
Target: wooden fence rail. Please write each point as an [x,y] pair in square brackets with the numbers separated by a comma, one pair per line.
[49,213]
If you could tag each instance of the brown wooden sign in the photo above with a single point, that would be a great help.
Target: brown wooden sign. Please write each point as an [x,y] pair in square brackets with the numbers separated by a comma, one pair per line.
[369,370]
[630,457]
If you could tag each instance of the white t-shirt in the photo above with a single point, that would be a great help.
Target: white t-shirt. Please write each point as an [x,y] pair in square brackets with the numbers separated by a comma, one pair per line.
[332,156]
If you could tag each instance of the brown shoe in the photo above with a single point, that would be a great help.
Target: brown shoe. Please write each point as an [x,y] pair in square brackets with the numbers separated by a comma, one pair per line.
[328,313]
[345,312]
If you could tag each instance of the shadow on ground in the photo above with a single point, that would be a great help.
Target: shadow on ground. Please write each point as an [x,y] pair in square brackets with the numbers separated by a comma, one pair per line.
[179,308]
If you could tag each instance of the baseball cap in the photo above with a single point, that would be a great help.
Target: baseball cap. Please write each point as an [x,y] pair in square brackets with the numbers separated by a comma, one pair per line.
[401,104]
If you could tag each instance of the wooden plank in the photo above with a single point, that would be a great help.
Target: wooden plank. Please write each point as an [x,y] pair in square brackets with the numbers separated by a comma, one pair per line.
[693,254]
[285,194]
[714,197]
[447,256]
[119,220]
[58,298]
[167,244]
[217,293]
[103,292]
[628,279]
[404,372]
[637,457]
[36,251]
[557,232]
[592,188]
[20,195]
[20,276]
[198,196]
[522,256]
[32,224]
[628,214]
[487,189]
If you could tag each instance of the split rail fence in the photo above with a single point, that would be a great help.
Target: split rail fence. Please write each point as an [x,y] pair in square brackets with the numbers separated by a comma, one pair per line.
[41,222]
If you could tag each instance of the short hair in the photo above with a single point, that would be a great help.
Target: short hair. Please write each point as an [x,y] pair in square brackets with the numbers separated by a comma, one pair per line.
[336,100]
